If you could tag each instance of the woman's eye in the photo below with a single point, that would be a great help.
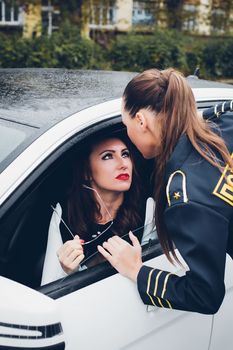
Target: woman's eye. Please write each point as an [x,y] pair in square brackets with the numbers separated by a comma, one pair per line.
[125,154]
[107,156]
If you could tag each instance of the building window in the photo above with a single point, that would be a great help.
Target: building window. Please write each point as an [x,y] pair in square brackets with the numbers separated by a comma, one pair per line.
[190,14]
[103,15]
[218,21]
[143,13]
[9,14]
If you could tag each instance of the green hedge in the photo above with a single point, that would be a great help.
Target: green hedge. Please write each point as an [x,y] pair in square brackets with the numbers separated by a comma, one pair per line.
[217,58]
[137,52]
[131,52]
[64,49]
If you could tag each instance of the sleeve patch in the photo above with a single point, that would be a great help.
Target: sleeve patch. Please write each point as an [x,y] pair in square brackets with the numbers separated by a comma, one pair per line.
[224,187]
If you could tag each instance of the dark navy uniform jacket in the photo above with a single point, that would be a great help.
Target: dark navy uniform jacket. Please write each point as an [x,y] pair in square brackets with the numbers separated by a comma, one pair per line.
[199,219]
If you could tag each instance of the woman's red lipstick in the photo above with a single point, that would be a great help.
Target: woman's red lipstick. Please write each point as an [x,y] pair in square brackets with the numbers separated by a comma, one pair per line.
[123,177]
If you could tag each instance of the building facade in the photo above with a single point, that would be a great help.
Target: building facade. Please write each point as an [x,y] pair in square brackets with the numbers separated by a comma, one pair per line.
[201,17]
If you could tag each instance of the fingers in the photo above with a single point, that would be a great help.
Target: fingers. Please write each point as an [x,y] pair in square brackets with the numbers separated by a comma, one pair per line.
[69,266]
[112,244]
[134,240]
[70,263]
[69,246]
[114,241]
[105,254]
[112,249]
[117,240]
[81,241]
[124,257]
[116,244]
[70,255]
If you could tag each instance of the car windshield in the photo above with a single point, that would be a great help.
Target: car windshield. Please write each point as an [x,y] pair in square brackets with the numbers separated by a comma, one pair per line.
[12,135]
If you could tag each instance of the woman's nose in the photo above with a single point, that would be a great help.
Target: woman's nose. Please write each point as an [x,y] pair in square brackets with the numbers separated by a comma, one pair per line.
[122,163]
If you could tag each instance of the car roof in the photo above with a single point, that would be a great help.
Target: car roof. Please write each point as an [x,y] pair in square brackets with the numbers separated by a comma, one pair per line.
[38,97]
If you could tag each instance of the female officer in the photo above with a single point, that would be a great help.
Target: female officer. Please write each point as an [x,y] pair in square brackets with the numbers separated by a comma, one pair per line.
[193,193]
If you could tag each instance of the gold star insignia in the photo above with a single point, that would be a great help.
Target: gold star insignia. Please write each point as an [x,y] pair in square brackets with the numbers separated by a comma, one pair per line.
[176,195]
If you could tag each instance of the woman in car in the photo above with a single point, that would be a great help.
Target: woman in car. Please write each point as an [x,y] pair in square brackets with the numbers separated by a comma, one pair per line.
[105,199]
[193,192]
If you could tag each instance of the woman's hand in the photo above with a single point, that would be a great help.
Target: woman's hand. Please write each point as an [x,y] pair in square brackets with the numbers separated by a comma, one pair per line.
[70,255]
[124,257]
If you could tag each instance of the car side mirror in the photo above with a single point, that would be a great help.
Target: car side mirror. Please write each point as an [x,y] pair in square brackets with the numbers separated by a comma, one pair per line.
[28,319]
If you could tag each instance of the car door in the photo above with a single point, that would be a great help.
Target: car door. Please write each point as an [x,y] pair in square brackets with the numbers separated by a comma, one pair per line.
[109,314]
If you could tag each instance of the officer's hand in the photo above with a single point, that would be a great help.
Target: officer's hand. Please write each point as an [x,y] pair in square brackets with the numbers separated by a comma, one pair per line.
[71,254]
[124,257]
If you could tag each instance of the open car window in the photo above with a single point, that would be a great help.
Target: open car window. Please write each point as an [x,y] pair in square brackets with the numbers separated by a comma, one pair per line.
[26,216]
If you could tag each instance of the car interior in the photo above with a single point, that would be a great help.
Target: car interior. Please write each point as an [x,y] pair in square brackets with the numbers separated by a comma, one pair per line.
[25,222]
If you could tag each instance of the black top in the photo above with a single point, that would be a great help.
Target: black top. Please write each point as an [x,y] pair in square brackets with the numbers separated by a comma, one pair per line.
[199,219]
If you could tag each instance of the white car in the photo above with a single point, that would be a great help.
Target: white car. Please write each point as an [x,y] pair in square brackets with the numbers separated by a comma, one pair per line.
[45,115]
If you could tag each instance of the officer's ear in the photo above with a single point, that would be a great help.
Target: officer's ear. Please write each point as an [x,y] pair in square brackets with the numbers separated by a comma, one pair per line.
[141,121]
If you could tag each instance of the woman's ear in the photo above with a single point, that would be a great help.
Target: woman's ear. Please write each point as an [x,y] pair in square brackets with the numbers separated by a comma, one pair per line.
[88,177]
[141,121]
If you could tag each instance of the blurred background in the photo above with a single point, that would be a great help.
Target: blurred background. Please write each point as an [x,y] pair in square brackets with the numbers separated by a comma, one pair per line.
[119,35]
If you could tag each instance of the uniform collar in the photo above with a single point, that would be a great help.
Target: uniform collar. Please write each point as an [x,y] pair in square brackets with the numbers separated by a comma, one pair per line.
[179,155]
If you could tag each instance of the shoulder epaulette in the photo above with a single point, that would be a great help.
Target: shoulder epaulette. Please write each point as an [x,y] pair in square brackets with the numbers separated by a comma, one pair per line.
[176,191]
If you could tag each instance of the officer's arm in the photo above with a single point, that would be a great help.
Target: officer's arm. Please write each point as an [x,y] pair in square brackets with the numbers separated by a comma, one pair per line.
[200,234]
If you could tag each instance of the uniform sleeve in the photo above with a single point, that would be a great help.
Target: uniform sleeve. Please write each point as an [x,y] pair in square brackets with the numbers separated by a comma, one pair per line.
[208,113]
[200,235]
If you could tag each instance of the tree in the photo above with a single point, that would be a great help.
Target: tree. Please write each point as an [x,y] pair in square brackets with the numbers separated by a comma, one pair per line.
[32,26]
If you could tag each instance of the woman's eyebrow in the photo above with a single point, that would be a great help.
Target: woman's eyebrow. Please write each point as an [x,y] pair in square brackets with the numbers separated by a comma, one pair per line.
[113,151]
[107,150]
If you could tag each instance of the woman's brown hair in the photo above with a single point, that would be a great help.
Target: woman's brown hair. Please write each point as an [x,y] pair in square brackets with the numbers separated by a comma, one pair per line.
[82,208]
[169,95]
